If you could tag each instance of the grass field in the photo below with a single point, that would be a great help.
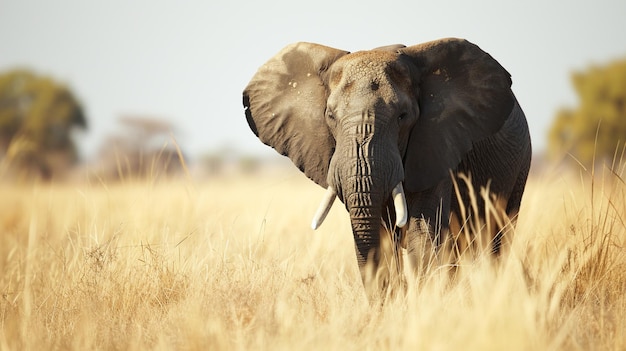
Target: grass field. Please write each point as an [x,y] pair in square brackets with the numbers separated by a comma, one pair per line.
[231,264]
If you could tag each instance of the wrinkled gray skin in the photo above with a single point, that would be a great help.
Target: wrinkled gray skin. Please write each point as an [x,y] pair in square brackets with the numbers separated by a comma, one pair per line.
[360,123]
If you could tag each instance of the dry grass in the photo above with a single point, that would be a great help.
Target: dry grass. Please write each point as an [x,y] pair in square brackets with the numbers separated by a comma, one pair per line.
[231,264]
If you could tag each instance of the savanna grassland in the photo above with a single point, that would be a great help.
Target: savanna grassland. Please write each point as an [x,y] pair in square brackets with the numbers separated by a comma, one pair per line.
[230,263]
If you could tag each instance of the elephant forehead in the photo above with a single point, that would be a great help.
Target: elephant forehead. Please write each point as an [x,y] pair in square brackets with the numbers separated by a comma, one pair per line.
[366,75]
[366,66]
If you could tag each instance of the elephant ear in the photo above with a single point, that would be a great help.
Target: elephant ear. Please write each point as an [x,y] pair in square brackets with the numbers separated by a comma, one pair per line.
[285,104]
[464,96]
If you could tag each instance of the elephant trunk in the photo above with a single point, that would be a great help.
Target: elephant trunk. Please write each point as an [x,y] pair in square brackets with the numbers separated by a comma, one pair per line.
[365,208]
[366,173]
[369,180]
[399,204]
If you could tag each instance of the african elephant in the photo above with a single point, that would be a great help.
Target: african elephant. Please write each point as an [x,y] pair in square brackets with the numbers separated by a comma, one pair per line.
[388,131]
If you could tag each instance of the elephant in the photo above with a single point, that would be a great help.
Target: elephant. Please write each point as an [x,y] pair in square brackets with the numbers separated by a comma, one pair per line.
[389,132]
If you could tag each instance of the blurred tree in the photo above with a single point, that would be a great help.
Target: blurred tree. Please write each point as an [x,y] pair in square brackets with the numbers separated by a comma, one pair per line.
[143,149]
[36,119]
[602,111]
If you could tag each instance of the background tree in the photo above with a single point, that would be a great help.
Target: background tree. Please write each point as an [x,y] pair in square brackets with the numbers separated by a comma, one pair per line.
[37,116]
[602,95]
[144,148]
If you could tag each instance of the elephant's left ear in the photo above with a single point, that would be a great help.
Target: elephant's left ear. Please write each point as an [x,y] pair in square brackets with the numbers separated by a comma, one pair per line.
[464,97]
[285,104]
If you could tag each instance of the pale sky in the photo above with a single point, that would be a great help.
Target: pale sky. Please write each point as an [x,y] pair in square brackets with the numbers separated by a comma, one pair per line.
[188,61]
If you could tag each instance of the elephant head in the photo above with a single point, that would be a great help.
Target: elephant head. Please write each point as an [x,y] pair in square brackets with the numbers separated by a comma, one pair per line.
[370,125]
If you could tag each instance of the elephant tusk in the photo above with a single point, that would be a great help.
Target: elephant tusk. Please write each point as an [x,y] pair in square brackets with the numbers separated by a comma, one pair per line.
[325,205]
[399,203]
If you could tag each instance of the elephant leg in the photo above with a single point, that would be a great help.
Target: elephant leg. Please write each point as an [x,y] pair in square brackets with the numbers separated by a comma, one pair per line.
[503,238]
[419,250]
[478,220]
[427,229]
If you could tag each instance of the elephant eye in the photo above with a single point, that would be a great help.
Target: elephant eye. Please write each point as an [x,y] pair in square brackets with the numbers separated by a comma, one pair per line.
[330,115]
[401,116]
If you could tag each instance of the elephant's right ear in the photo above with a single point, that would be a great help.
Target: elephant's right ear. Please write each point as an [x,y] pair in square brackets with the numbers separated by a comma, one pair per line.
[285,105]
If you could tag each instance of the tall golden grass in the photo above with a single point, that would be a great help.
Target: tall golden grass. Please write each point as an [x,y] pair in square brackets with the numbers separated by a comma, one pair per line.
[231,264]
